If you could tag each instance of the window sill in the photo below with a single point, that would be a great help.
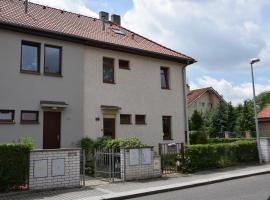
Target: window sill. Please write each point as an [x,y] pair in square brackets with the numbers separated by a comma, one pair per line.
[126,123]
[29,72]
[141,123]
[7,122]
[165,88]
[53,75]
[25,123]
[167,139]
[109,82]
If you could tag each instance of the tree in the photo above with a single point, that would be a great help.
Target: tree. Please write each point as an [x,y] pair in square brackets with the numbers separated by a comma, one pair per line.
[231,121]
[263,98]
[245,120]
[196,121]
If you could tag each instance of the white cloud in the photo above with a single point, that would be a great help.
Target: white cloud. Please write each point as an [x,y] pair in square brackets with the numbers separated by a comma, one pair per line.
[236,93]
[77,6]
[220,34]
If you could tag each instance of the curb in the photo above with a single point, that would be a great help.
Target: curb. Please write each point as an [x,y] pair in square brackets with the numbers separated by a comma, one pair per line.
[173,188]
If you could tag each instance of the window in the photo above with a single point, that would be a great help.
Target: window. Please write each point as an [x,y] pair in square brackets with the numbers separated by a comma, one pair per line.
[53,60]
[203,104]
[7,116]
[124,64]
[125,119]
[140,119]
[30,57]
[108,70]
[164,77]
[29,117]
[166,122]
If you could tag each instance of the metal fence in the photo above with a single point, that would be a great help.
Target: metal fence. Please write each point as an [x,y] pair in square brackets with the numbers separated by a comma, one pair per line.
[172,157]
[108,164]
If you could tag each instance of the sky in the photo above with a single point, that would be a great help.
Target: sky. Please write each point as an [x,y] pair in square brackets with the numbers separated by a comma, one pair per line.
[222,35]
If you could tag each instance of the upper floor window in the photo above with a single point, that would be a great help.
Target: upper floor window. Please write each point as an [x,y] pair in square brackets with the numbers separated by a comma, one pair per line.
[30,57]
[53,60]
[140,119]
[164,77]
[125,119]
[124,64]
[7,116]
[29,117]
[108,70]
[167,131]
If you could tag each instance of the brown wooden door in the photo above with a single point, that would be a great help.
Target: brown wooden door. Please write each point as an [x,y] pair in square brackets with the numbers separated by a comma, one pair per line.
[51,130]
[109,127]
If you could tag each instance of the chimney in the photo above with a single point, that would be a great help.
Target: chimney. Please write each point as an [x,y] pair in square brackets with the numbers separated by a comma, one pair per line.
[26,6]
[116,19]
[104,16]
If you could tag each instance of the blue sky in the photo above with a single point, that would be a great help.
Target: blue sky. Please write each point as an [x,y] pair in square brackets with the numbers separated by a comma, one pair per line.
[223,35]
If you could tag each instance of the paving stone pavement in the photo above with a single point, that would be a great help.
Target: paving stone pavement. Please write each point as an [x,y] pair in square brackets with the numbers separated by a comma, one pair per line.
[64,194]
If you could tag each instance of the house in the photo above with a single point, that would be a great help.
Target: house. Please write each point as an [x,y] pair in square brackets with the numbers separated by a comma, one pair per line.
[264,121]
[65,76]
[202,100]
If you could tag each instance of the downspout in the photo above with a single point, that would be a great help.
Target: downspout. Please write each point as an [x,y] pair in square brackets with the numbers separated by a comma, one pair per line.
[185,103]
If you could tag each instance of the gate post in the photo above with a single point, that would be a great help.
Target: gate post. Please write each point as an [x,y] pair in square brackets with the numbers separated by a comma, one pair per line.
[183,153]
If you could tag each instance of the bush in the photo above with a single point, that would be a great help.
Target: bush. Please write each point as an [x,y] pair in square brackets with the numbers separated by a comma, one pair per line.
[198,137]
[102,142]
[88,145]
[207,156]
[14,167]
[124,142]
[227,140]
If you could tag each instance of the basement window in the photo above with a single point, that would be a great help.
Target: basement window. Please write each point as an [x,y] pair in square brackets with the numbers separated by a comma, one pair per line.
[118,31]
[7,116]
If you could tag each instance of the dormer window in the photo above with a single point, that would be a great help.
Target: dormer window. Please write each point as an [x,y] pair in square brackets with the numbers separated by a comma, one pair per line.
[118,31]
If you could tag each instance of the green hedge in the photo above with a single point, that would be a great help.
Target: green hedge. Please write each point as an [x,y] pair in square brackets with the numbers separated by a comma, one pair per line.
[207,156]
[14,165]
[227,140]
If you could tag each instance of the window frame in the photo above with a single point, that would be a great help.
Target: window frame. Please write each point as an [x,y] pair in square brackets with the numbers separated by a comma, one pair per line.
[129,119]
[30,121]
[167,77]
[121,67]
[60,60]
[33,44]
[169,136]
[113,75]
[140,122]
[12,121]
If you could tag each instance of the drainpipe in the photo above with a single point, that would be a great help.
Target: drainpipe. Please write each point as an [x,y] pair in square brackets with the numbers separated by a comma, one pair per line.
[185,103]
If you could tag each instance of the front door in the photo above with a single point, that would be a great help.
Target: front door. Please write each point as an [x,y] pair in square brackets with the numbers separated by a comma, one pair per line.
[109,127]
[51,130]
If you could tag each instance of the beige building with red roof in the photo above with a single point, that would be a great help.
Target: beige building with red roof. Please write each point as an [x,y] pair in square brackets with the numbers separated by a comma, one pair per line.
[264,121]
[64,76]
[202,100]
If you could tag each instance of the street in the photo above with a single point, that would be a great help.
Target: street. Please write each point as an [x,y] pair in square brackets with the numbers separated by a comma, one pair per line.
[251,188]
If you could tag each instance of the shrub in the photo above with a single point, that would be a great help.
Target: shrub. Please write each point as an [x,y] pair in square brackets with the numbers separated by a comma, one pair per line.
[88,145]
[198,137]
[102,142]
[27,141]
[14,167]
[207,156]
[124,142]
[227,140]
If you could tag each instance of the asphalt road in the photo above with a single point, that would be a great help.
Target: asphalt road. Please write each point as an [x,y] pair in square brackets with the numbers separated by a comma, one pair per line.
[251,188]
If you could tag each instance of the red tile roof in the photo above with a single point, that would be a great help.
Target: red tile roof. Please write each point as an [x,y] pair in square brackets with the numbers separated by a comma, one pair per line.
[67,24]
[194,94]
[265,112]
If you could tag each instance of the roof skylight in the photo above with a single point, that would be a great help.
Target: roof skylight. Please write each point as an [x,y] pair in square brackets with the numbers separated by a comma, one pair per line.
[118,31]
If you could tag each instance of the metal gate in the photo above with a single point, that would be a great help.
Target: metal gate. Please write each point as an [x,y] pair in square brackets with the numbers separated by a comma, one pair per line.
[172,157]
[107,164]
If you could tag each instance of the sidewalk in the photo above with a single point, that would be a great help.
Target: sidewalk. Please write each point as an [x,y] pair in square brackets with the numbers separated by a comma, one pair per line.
[124,190]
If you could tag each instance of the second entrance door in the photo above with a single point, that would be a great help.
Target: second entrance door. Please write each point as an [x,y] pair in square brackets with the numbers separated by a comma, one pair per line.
[109,127]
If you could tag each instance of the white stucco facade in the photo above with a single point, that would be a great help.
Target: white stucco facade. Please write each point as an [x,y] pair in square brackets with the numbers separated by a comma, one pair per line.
[136,91]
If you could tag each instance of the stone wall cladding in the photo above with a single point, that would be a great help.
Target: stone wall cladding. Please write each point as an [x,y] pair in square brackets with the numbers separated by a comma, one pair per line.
[140,171]
[265,149]
[70,177]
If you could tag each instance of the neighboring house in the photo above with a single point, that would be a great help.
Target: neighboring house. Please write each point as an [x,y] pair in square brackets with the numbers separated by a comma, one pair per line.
[64,76]
[264,121]
[202,100]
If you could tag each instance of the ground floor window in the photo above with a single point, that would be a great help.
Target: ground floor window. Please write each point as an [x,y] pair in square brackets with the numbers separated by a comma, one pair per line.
[140,119]
[125,119]
[167,131]
[7,116]
[29,117]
